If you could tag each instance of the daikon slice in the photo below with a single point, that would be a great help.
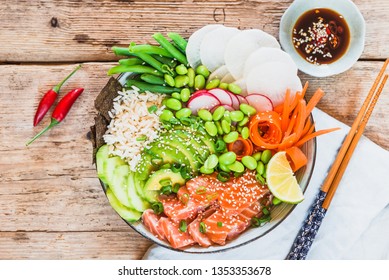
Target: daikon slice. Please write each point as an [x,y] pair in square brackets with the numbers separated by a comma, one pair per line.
[227,79]
[242,45]
[272,79]
[213,45]
[264,55]
[219,73]
[194,42]
[260,102]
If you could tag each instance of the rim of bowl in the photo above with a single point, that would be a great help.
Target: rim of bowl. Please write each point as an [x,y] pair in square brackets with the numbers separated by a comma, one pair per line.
[355,22]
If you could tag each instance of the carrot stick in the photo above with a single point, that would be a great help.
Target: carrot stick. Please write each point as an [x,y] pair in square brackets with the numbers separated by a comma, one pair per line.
[291,124]
[299,95]
[297,158]
[299,126]
[307,126]
[315,134]
[285,112]
[279,108]
[314,100]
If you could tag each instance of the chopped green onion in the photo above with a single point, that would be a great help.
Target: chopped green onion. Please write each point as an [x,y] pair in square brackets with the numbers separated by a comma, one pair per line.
[276,201]
[166,190]
[174,121]
[223,176]
[201,190]
[166,166]
[212,196]
[183,226]
[265,211]
[203,227]
[152,109]
[255,222]
[258,222]
[176,187]
[237,174]
[141,138]
[184,173]
[185,198]
[220,145]
[176,167]
[219,224]
[157,207]
[165,182]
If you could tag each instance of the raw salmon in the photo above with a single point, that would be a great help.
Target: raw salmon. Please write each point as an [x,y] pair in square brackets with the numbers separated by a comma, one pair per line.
[201,238]
[176,238]
[150,220]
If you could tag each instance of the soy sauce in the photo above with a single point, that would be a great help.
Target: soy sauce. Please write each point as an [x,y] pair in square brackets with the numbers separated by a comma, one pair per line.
[321,36]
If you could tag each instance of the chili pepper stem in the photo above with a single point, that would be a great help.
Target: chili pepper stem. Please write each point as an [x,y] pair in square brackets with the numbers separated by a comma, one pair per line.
[58,87]
[53,123]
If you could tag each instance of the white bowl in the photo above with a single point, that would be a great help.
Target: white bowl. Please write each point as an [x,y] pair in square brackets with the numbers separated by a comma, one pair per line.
[356,24]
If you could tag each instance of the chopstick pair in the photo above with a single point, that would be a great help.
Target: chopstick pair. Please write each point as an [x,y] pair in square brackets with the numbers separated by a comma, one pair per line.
[318,210]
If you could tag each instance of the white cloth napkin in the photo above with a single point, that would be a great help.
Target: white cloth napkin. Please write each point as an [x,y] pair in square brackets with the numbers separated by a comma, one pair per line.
[357,223]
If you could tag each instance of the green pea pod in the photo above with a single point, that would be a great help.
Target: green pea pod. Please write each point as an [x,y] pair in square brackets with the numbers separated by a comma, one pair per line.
[170,48]
[180,42]
[143,86]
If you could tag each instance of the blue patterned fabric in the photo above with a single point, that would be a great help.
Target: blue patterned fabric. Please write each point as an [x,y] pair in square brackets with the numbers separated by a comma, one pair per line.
[308,231]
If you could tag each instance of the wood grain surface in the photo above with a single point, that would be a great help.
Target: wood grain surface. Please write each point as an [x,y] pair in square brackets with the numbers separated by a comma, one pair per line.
[51,203]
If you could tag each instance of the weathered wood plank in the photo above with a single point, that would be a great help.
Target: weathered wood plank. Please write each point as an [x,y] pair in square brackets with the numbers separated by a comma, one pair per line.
[86,30]
[71,245]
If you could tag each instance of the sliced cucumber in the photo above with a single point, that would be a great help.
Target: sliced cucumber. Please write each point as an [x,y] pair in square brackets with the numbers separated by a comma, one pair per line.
[128,214]
[118,184]
[135,200]
[110,166]
[101,159]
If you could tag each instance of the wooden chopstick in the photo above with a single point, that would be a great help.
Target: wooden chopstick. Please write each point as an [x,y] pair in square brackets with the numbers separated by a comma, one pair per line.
[351,148]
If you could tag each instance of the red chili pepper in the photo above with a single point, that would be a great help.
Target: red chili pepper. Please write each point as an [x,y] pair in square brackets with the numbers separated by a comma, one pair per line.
[60,111]
[48,99]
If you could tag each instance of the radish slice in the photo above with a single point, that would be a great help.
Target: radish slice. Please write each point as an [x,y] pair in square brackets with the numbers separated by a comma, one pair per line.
[260,102]
[242,100]
[242,84]
[242,45]
[197,93]
[264,55]
[202,101]
[235,101]
[222,95]
[273,79]
[228,108]
[194,42]
[227,79]
[213,45]
[219,73]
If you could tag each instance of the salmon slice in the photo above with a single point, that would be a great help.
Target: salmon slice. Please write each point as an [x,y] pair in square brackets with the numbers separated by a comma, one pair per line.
[205,189]
[176,238]
[201,238]
[150,220]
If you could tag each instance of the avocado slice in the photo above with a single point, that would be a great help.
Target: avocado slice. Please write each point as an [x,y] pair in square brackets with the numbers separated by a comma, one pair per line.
[195,142]
[128,214]
[154,183]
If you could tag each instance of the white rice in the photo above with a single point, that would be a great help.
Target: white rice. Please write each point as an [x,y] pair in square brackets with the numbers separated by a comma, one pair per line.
[131,120]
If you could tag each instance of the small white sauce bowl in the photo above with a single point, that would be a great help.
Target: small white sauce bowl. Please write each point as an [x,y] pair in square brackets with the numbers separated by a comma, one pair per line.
[355,22]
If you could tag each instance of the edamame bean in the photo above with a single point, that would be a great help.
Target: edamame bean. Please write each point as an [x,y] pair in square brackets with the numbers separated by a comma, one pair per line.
[213,84]
[223,86]
[266,156]
[218,113]
[185,94]
[236,166]
[211,128]
[181,81]
[224,168]
[245,132]
[219,128]
[260,168]
[183,113]
[240,129]
[260,179]
[249,162]
[226,126]
[211,162]
[244,121]
[227,158]
[205,115]
[166,115]
[236,116]
[176,95]
[257,156]
[234,88]
[202,70]
[205,170]
[181,69]
[264,173]
[191,75]
[173,104]
[199,82]
[169,80]
[231,137]
[247,109]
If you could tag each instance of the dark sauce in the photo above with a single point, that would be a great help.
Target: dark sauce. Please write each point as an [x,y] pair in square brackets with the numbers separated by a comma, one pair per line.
[321,36]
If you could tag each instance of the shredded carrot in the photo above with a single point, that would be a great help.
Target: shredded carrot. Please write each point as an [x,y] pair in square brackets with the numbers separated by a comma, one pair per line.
[307,127]
[265,130]
[279,108]
[315,134]
[297,158]
[285,112]
[300,121]
[291,124]
[314,100]
[241,147]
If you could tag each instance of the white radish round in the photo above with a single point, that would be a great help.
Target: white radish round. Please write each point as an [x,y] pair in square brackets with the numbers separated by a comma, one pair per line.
[264,55]
[242,45]
[260,102]
[227,79]
[202,101]
[219,73]
[272,79]
[194,42]
[213,45]
[222,95]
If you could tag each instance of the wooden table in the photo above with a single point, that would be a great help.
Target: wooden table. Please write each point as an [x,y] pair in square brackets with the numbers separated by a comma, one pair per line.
[51,203]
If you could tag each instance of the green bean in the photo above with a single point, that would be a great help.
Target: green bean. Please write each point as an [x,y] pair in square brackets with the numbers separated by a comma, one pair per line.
[212,84]
[169,80]
[183,113]
[171,62]
[176,95]
[211,162]
[135,69]
[148,49]
[236,166]
[191,74]
[231,137]
[257,156]
[173,104]
[218,113]
[119,51]
[178,40]
[226,126]
[224,168]
[260,179]
[155,63]
[181,81]
[219,128]
[227,158]
[130,61]
[223,86]
[166,115]
[211,128]
[152,79]
[249,162]
[205,115]
[170,48]
[266,156]
[244,121]
[185,94]
[234,88]
[181,69]
[199,82]
[260,167]
[202,70]
[245,132]
[247,109]
[205,170]
[149,87]
[236,116]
